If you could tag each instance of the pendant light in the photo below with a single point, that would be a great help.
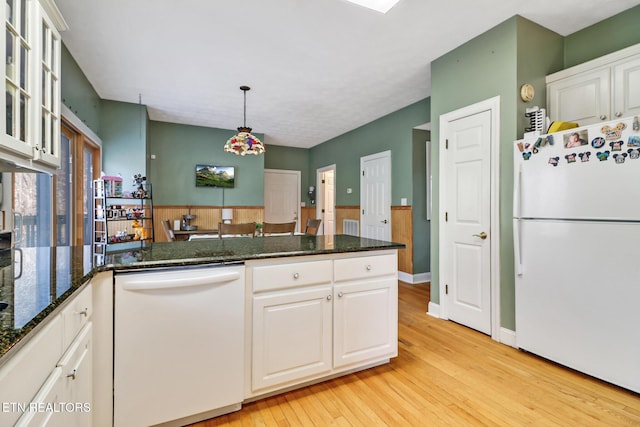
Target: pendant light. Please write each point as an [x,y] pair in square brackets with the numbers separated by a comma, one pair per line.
[244,142]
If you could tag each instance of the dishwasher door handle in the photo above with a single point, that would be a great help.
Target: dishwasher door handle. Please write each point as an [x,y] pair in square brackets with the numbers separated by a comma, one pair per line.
[148,283]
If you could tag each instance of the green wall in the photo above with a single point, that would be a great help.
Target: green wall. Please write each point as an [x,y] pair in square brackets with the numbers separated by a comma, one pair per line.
[483,68]
[421,227]
[480,69]
[391,132]
[124,146]
[609,35]
[497,63]
[290,158]
[78,94]
[178,148]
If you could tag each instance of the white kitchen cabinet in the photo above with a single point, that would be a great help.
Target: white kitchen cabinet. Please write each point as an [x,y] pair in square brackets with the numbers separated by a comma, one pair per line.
[626,78]
[77,367]
[38,357]
[64,400]
[320,316]
[49,396]
[600,90]
[31,113]
[365,321]
[292,335]
[365,309]
[59,371]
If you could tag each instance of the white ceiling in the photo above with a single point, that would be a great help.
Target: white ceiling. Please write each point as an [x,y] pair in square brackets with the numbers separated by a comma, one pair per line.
[317,68]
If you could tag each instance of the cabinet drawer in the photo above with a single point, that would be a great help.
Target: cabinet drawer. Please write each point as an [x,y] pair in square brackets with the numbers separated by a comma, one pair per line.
[27,370]
[364,267]
[45,405]
[76,315]
[294,274]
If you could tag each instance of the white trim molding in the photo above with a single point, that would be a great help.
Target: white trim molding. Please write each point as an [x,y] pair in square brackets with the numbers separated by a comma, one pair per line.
[434,310]
[413,279]
[75,121]
[508,337]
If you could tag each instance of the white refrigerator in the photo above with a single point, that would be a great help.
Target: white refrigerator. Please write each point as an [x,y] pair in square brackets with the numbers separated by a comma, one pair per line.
[577,249]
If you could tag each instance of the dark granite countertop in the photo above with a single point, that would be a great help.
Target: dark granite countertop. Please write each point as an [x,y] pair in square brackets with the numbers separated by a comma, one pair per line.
[35,281]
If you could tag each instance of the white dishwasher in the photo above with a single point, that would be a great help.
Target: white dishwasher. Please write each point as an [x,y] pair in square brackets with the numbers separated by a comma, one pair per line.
[178,344]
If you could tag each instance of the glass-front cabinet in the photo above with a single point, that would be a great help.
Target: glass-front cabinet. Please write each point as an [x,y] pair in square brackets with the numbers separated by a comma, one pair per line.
[31,111]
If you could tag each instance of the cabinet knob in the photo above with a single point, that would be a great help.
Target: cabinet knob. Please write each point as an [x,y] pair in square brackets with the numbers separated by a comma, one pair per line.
[84,312]
[619,114]
[328,297]
[72,375]
[296,275]
[603,117]
[340,294]
[369,267]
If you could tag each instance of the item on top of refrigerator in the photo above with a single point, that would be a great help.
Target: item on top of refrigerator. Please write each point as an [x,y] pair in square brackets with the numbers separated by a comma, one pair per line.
[558,126]
[537,118]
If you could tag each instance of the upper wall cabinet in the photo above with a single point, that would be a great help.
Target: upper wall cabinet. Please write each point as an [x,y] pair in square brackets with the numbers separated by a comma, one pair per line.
[31,113]
[600,90]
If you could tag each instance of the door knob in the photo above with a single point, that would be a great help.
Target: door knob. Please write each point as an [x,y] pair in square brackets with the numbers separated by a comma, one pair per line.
[482,235]
[385,221]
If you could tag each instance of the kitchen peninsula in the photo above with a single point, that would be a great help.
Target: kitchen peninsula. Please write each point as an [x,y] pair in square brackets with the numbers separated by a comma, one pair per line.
[300,309]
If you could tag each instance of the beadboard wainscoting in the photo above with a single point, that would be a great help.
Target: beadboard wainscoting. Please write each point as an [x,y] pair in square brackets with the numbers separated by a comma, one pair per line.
[208,217]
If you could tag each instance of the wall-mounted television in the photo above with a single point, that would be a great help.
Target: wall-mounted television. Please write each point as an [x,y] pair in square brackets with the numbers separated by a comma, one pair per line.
[215,176]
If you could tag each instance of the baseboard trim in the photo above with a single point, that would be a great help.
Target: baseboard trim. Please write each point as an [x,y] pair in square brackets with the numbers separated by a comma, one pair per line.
[508,337]
[434,310]
[414,278]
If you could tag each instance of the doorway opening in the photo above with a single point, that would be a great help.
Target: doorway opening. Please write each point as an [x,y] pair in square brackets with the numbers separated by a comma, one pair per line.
[326,203]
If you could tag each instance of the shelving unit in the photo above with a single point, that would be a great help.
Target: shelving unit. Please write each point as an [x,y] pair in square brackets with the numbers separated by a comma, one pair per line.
[122,218]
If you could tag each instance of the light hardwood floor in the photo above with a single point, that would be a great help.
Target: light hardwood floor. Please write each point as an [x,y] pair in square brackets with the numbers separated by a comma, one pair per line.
[446,374]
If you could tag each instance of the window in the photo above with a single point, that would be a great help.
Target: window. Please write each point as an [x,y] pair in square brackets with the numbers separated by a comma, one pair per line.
[56,208]
[32,209]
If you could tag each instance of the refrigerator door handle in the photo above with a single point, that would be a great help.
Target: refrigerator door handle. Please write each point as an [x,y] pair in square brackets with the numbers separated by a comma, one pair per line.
[516,246]
[517,189]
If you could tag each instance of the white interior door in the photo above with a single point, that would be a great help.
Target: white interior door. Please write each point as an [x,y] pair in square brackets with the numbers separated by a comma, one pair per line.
[466,201]
[375,196]
[281,196]
[326,203]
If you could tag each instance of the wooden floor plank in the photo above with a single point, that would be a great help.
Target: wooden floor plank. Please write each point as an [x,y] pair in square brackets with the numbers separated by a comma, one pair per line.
[446,374]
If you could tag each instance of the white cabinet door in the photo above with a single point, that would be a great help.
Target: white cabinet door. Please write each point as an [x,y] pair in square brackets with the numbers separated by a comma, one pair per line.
[291,336]
[626,86]
[47,133]
[365,320]
[583,98]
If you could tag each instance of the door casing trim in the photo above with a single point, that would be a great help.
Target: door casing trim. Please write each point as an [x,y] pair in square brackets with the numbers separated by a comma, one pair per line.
[493,105]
